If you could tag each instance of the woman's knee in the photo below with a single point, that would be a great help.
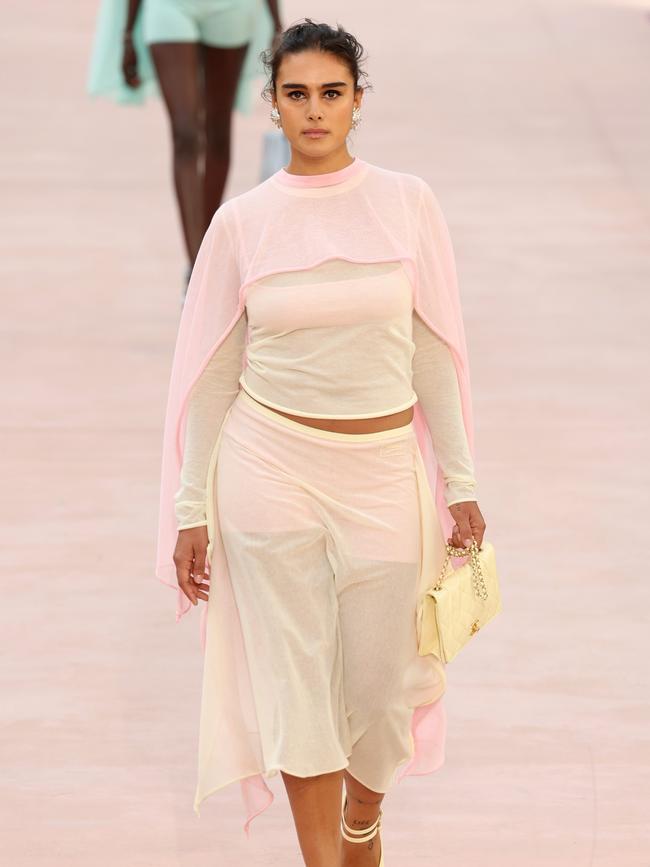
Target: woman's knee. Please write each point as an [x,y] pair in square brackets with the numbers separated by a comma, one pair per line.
[187,136]
[373,693]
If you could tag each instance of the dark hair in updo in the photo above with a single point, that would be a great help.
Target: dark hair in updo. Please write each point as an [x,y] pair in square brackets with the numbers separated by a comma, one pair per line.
[308,34]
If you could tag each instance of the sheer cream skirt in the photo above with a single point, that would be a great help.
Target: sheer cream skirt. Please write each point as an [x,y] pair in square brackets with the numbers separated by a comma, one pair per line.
[317,560]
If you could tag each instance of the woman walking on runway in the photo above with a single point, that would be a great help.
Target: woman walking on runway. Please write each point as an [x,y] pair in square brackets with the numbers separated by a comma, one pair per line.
[317,455]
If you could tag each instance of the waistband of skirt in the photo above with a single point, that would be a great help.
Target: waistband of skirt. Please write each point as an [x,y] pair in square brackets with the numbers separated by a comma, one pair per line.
[275,417]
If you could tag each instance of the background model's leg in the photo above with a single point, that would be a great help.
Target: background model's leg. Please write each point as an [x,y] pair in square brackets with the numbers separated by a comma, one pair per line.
[222,67]
[178,67]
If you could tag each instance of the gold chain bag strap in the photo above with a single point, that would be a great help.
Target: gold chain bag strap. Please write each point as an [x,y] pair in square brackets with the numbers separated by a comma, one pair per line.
[459,603]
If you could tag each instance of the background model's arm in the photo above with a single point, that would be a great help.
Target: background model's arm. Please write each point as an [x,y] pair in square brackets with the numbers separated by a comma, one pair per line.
[210,399]
[273,7]
[131,15]
[129,56]
[436,385]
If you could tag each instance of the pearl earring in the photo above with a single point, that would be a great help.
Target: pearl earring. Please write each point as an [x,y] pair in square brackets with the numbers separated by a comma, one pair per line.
[356,117]
[275,116]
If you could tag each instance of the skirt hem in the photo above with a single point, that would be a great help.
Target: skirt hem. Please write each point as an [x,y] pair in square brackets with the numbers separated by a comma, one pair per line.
[269,772]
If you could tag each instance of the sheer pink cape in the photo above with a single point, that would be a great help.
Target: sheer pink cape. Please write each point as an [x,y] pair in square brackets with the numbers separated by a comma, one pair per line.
[369,215]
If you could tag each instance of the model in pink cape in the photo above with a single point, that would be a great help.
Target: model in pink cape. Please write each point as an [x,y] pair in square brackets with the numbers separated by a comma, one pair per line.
[324,206]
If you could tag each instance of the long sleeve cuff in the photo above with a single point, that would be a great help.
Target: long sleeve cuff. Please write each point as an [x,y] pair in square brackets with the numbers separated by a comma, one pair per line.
[189,515]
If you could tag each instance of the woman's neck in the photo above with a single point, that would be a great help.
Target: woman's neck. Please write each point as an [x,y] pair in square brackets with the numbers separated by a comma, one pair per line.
[300,164]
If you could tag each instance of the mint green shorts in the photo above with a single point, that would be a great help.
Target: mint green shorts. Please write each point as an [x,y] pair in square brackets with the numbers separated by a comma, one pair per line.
[219,23]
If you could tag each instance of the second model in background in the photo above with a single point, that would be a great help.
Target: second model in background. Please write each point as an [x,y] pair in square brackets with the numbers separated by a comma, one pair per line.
[202,56]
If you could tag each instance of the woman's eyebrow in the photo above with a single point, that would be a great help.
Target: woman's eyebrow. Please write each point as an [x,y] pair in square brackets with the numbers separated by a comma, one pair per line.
[328,84]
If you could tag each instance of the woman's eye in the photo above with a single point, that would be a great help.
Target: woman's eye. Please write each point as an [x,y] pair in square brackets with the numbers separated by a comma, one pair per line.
[296,94]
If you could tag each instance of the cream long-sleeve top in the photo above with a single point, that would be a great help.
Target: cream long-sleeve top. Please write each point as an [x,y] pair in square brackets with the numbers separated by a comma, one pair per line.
[339,340]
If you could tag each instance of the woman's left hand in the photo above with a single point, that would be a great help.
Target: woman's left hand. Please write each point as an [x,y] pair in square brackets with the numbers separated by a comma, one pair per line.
[469,524]
[130,62]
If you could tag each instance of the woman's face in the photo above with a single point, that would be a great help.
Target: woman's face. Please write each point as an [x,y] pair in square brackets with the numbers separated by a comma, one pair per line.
[314,90]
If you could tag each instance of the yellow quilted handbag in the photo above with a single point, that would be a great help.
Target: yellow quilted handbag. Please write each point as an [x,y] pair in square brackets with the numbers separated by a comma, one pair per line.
[460,602]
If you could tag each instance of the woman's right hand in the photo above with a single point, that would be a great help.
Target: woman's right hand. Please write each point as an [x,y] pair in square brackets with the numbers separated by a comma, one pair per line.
[189,558]
[130,62]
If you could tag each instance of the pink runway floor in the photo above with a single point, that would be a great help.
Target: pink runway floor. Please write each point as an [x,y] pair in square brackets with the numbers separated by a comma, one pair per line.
[530,121]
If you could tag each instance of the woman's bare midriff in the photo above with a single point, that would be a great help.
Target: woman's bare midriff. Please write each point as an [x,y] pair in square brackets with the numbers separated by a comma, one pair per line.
[351,425]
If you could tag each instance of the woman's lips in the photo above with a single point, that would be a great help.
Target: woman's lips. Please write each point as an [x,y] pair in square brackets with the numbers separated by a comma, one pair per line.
[315,133]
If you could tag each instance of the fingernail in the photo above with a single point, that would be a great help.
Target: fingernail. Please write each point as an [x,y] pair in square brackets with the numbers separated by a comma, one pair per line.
[467,542]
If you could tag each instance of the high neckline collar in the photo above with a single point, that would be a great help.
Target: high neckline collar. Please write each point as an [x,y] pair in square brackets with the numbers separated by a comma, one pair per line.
[326,179]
